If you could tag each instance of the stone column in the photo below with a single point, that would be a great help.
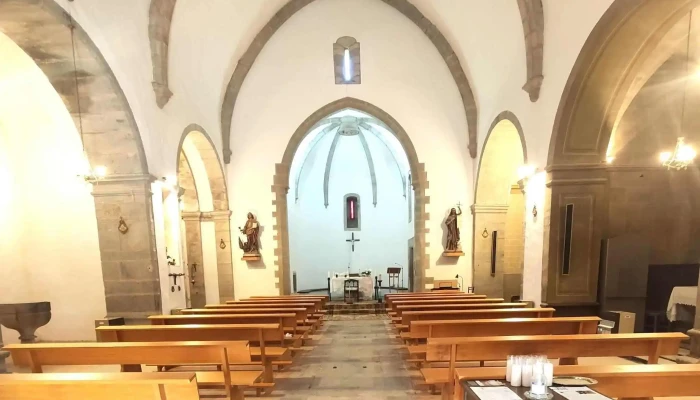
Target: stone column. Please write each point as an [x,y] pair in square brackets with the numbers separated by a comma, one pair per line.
[129,259]
[3,356]
[222,223]
[490,218]
[195,258]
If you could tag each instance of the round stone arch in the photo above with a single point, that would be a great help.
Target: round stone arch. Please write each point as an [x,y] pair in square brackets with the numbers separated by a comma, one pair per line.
[280,188]
[442,45]
[42,29]
[220,213]
[616,53]
[494,207]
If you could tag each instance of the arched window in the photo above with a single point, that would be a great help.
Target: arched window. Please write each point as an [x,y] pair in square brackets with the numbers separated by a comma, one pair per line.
[346,61]
[352,212]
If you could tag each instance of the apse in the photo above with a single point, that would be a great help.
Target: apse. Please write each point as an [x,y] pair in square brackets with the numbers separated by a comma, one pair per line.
[350,201]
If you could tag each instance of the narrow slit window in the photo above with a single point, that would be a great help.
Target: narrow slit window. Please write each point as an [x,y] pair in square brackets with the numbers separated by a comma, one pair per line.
[346,61]
[352,212]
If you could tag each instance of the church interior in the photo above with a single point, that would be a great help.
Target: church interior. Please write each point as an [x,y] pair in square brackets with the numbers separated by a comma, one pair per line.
[349,199]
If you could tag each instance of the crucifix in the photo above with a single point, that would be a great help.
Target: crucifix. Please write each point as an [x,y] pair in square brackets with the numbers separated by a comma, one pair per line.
[352,240]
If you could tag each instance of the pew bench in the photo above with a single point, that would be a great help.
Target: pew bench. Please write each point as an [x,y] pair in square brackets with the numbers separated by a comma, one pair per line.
[408,317]
[567,348]
[423,330]
[393,302]
[103,386]
[456,307]
[615,381]
[302,314]
[131,357]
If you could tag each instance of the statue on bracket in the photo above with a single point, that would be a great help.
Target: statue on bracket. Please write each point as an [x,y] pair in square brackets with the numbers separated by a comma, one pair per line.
[453,247]
[251,247]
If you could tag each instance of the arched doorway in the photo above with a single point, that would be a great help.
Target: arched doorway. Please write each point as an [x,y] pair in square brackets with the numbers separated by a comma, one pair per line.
[89,94]
[283,176]
[205,228]
[499,209]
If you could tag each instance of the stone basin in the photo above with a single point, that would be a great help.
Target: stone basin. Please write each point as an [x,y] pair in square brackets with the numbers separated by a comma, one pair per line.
[25,318]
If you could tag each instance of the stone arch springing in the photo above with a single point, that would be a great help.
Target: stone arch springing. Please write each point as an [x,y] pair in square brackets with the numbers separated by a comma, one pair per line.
[42,29]
[245,63]
[532,15]
[160,17]
[613,63]
[196,143]
[498,206]
[280,188]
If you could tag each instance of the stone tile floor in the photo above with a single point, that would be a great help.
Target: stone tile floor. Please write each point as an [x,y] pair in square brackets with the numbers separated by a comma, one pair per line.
[355,357]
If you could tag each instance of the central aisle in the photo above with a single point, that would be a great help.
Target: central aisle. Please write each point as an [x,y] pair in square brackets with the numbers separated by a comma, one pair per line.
[353,359]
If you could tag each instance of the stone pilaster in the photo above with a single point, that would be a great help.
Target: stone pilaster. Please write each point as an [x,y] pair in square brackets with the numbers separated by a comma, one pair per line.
[489,218]
[224,263]
[195,258]
[129,259]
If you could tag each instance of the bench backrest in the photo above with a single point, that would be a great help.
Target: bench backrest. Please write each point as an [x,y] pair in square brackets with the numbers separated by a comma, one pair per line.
[324,299]
[408,316]
[451,300]
[109,386]
[288,320]
[391,301]
[504,327]
[464,306]
[317,303]
[554,346]
[262,333]
[310,307]
[38,355]
[301,313]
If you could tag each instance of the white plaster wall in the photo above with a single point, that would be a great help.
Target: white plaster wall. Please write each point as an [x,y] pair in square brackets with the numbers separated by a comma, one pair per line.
[535,192]
[166,219]
[402,73]
[54,254]
[211,273]
[317,234]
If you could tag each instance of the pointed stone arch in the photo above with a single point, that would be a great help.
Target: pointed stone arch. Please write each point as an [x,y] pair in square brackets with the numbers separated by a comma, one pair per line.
[280,188]
[245,63]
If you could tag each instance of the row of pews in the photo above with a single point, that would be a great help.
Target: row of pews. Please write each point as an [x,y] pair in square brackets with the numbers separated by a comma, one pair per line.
[234,347]
[450,336]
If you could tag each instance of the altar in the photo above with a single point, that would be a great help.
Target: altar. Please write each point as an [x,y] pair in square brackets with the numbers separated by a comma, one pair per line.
[366,284]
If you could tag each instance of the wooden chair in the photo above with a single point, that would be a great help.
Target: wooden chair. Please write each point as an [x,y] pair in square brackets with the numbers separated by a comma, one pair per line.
[565,347]
[116,386]
[131,356]
[615,381]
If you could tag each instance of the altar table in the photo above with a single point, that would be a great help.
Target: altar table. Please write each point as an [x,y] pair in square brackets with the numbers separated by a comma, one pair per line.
[366,284]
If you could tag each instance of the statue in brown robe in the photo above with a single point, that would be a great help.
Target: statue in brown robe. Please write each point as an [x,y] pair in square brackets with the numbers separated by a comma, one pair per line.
[452,244]
[251,229]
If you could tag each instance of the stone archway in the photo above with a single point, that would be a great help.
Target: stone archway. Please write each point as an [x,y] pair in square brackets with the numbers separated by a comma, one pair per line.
[612,65]
[245,63]
[129,261]
[499,207]
[280,188]
[205,210]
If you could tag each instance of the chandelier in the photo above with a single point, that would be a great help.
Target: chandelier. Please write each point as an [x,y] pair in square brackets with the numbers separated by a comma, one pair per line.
[99,172]
[683,154]
[681,157]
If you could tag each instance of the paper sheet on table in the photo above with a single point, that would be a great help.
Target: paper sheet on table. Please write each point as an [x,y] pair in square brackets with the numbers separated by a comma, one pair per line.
[579,393]
[495,393]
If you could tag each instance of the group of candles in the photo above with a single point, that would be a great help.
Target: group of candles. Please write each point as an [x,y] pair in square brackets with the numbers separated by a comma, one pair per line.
[535,372]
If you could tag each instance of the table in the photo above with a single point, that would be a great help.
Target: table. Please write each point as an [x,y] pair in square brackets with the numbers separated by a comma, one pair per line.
[685,295]
[520,391]
[366,287]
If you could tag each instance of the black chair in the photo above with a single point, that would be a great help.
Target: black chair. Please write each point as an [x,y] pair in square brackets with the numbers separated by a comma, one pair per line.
[351,291]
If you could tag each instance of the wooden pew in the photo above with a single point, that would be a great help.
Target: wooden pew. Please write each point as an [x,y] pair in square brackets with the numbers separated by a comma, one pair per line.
[111,386]
[317,309]
[407,317]
[431,302]
[304,317]
[287,320]
[324,298]
[132,355]
[390,302]
[467,306]
[422,330]
[262,334]
[615,381]
[565,347]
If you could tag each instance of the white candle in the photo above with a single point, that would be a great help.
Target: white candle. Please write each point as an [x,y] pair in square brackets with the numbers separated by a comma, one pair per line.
[548,373]
[509,367]
[526,375]
[515,374]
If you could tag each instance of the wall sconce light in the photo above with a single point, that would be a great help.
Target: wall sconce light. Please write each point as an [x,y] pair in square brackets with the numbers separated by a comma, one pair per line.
[222,244]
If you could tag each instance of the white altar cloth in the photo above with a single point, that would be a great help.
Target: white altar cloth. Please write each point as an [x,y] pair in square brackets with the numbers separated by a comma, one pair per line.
[686,295]
[366,287]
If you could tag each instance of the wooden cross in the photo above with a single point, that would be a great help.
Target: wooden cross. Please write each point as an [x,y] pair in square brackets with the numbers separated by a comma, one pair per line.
[353,240]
